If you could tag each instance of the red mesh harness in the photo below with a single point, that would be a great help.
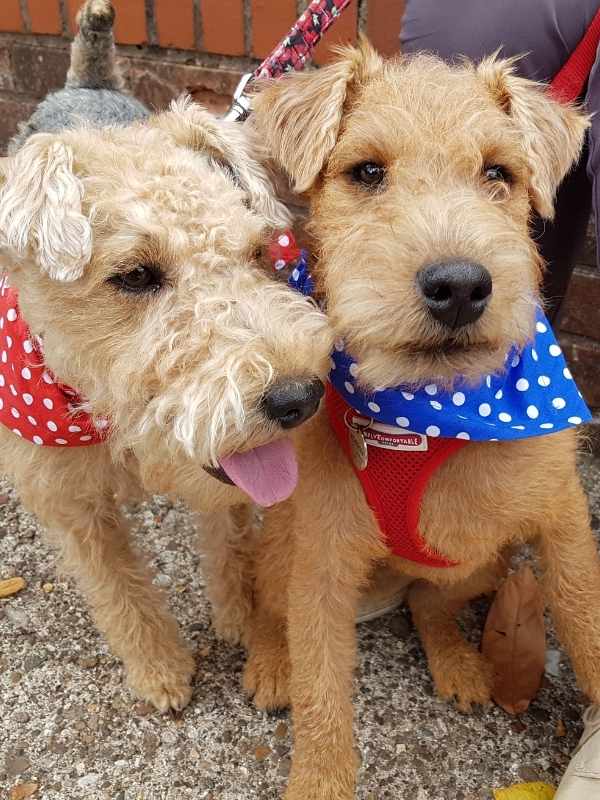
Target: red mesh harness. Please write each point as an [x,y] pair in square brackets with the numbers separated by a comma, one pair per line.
[394,481]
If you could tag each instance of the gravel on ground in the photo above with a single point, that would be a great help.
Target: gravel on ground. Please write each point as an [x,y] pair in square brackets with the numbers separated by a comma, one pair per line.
[69,725]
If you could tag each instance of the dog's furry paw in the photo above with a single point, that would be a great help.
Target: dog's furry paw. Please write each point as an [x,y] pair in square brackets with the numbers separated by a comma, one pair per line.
[231,624]
[96,15]
[267,679]
[166,686]
[466,677]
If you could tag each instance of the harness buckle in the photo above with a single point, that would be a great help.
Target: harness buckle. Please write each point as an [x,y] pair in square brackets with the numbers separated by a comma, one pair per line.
[240,107]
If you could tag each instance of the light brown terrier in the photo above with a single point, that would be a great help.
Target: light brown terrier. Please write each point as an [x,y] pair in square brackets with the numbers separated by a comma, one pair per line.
[408,163]
[136,253]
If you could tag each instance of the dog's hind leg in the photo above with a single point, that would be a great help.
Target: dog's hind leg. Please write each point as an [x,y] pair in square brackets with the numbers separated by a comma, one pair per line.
[571,582]
[72,494]
[226,540]
[93,57]
[457,668]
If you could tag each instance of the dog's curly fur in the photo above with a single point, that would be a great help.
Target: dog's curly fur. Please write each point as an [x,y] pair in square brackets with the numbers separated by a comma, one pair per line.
[434,128]
[181,372]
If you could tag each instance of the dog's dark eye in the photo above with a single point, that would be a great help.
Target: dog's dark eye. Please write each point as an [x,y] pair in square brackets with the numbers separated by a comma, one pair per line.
[368,173]
[497,173]
[144,278]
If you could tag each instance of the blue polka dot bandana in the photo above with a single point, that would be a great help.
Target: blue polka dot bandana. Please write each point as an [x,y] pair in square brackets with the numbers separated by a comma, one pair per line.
[533,395]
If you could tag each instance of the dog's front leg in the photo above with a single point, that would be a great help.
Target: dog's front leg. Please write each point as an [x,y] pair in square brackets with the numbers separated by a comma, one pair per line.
[330,567]
[75,502]
[571,580]
[226,542]
[457,668]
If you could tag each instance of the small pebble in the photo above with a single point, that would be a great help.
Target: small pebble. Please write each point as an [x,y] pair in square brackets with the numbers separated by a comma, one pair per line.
[18,617]
[552,666]
[16,765]
[529,774]
[47,588]
[284,767]
[32,661]
[88,662]
[87,781]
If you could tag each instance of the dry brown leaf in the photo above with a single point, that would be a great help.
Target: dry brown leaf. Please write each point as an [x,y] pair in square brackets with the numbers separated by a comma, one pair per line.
[11,586]
[514,641]
[261,752]
[560,729]
[281,731]
[23,790]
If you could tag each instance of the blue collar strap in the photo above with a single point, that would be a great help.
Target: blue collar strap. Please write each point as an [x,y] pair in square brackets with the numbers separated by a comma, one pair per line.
[533,395]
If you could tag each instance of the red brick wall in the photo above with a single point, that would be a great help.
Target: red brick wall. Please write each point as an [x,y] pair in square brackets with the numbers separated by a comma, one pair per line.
[230,27]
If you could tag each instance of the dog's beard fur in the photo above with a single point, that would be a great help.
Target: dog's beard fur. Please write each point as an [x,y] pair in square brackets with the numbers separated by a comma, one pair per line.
[402,343]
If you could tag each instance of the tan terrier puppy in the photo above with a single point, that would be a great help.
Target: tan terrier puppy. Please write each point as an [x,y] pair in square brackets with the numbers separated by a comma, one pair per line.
[144,310]
[414,167]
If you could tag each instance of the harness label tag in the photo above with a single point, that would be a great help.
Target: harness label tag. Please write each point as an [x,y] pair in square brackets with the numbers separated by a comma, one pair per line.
[388,437]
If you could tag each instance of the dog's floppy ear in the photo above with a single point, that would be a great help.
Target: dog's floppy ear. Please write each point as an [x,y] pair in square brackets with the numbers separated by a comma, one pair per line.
[552,133]
[299,115]
[194,127]
[40,209]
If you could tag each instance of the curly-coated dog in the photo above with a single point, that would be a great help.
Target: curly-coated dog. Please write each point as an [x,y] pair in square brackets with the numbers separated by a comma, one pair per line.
[149,350]
[422,179]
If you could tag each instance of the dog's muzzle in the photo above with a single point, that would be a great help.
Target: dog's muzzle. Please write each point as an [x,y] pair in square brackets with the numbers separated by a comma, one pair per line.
[292,402]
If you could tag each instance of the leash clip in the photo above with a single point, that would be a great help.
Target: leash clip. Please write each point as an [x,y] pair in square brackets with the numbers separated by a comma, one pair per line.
[240,107]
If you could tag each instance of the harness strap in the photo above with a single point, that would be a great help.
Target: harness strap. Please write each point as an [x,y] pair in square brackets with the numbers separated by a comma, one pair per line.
[569,82]
[395,481]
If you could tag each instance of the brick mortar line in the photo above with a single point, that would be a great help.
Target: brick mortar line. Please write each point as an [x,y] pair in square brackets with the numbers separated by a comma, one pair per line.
[19,97]
[247,27]
[151,31]
[25,18]
[64,16]
[198,25]
[150,52]
[577,339]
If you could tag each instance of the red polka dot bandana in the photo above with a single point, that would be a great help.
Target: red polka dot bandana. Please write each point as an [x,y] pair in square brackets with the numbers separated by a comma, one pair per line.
[33,404]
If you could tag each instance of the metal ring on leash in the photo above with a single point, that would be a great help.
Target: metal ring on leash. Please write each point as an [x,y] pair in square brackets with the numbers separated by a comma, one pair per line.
[292,52]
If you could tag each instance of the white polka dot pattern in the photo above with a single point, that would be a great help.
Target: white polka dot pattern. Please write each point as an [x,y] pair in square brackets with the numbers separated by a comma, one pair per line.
[535,395]
[32,404]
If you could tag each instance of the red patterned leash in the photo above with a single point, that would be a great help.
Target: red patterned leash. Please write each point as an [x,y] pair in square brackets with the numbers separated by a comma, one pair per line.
[292,52]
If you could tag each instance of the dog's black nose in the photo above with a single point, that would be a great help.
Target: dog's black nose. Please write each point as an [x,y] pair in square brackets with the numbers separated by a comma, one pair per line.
[292,402]
[455,292]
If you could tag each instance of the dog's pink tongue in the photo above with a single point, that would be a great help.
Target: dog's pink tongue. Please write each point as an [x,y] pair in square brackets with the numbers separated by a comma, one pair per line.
[268,474]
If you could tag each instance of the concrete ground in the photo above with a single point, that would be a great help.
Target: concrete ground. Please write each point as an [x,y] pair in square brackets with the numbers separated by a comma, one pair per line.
[68,723]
